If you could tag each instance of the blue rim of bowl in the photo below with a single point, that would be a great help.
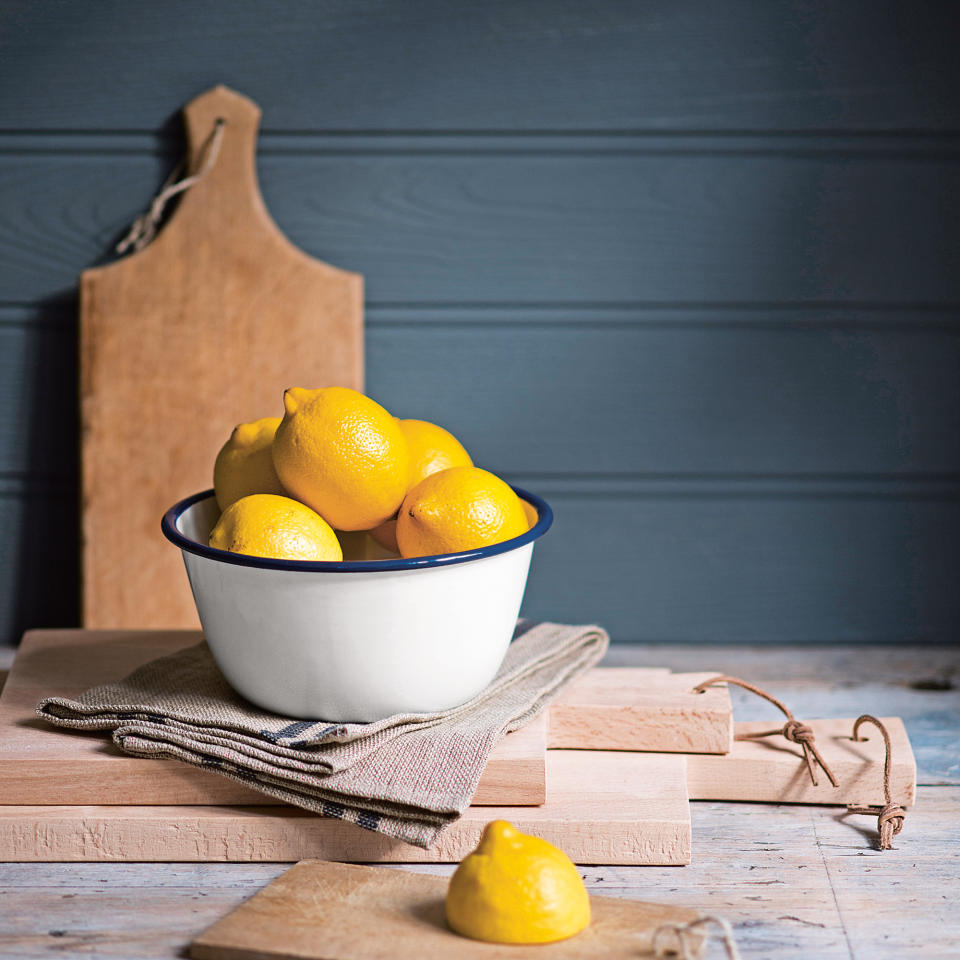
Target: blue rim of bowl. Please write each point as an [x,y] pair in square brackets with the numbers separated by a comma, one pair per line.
[169,527]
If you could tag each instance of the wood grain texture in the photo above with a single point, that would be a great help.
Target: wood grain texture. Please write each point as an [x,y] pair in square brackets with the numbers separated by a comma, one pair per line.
[773,770]
[333,911]
[796,881]
[203,329]
[636,812]
[539,65]
[916,682]
[42,764]
[642,709]
[678,222]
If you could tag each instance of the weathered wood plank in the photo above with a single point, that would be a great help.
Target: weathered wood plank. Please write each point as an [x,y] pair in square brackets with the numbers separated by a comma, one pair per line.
[535,65]
[837,667]
[796,882]
[905,904]
[670,225]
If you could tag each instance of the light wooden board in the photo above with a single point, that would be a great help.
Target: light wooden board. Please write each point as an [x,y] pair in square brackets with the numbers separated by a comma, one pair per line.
[772,769]
[201,330]
[333,911]
[602,807]
[558,66]
[42,764]
[643,709]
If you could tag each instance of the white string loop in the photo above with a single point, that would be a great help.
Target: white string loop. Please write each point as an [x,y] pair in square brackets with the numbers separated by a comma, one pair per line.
[144,228]
[684,945]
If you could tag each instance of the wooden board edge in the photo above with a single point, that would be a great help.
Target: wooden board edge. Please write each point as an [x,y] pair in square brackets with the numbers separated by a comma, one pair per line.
[228,938]
[46,834]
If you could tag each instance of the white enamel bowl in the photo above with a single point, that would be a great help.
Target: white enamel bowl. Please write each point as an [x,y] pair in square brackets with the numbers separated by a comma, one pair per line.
[358,640]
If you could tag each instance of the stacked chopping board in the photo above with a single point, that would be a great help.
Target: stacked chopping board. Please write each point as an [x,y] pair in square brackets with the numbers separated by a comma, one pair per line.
[606,773]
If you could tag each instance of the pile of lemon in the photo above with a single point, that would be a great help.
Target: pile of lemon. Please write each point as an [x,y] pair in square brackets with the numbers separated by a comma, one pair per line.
[338,461]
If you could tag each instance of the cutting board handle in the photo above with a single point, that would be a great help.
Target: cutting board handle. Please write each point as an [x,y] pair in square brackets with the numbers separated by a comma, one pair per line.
[229,193]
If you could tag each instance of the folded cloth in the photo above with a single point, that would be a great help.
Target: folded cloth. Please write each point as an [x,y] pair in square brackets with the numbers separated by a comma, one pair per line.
[407,776]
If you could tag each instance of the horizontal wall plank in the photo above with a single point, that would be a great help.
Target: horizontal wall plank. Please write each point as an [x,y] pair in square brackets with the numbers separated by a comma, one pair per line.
[539,64]
[751,570]
[168,142]
[39,398]
[649,568]
[681,400]
[583,228]
[39,563]
[656,400]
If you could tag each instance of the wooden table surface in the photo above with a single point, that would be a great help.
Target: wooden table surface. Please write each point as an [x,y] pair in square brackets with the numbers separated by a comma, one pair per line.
[797,882]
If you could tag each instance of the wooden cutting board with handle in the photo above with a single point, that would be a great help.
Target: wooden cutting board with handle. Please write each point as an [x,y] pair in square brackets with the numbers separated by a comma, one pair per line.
[336,911]
[202,329]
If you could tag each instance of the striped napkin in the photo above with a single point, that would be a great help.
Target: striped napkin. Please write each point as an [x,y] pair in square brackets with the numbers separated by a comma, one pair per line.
[407,776]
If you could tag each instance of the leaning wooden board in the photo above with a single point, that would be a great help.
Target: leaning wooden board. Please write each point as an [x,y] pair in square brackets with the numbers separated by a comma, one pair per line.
[602,807]
[201,330]
[334,911]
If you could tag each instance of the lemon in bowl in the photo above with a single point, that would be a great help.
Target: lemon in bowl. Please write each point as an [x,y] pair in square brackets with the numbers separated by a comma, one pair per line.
[430,449]
[275,527]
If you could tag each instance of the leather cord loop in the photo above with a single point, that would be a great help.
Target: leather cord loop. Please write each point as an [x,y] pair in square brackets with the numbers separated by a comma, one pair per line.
[793,730]
[891,816]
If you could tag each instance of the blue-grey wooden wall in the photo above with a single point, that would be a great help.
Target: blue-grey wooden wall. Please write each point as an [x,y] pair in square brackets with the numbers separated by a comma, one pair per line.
[689,269]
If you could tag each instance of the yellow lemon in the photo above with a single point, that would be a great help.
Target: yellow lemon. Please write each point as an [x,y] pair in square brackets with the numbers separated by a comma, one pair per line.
[515,888]
[244,464]
[530,511]
[458,509]
[431,449]
[342,454]
[265,525]
[386,535]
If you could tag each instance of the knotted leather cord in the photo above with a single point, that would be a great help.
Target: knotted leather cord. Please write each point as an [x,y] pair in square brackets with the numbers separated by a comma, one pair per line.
[793,730]
[144,228]
[890,817]
[686,947]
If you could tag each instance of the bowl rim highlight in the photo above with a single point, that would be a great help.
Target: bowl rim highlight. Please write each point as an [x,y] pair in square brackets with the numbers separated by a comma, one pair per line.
[169,527]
